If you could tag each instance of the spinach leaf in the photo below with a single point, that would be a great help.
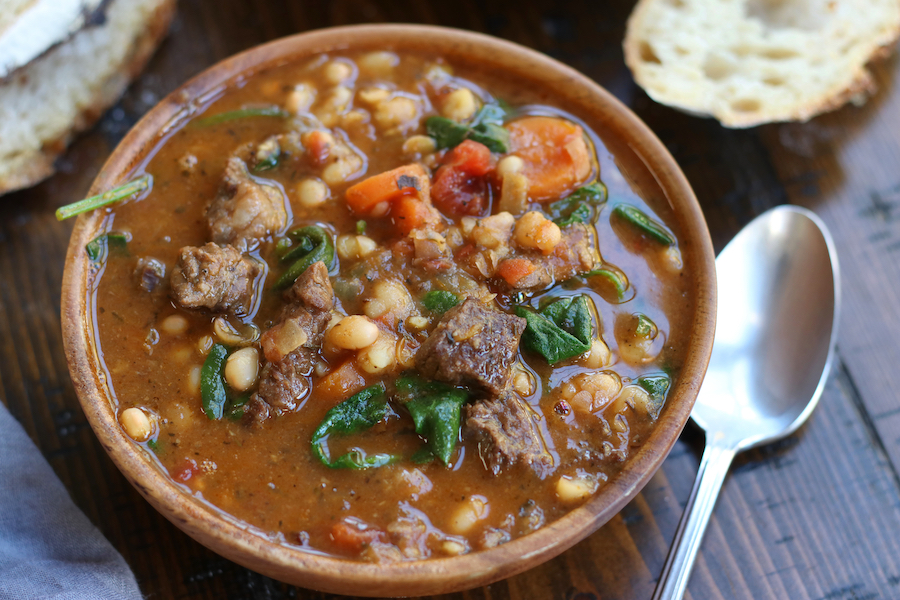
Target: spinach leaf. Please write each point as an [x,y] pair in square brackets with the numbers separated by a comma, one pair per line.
[242,113]
[579,206]
[560,330]
[436,411]
[657,386]
[111,242]
[643,224]
[645,328]
[439,301]
[614,277]
[447,133]
[492,113]
[360,227]
[486,128]
[357,413]
[234,408]
[495,137]
[126,190]
[312,244]
[212,382]
[268,154]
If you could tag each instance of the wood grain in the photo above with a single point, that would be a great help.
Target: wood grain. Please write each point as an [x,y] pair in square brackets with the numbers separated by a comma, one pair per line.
[814,517]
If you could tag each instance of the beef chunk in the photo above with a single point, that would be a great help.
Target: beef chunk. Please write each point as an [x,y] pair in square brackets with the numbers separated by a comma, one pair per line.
[149,273]
[506,434]
[215,277]
[244,210]
[291,345]
[472,345]
[574,254]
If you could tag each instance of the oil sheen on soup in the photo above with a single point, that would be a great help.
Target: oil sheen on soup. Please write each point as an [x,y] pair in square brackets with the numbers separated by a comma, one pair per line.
[387,310]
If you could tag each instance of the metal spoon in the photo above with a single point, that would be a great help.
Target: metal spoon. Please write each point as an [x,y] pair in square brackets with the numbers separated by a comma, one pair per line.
[778,306]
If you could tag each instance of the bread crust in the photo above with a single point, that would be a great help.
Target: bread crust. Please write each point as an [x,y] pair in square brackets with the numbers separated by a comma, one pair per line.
[855,84]
[39,165]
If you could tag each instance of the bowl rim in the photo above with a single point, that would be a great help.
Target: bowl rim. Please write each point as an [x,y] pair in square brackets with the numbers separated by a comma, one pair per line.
[435,575]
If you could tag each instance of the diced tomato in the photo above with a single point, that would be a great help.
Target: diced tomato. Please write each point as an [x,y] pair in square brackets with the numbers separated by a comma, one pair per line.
[473,158]
[318,144]
[185,470]
[512,270]
[465,252]
[354,536]
[457,193]
[556,156]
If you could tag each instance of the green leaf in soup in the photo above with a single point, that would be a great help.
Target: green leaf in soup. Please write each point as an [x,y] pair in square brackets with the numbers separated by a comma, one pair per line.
[643,224]
[560,330]
[645,327]
[126,190]
[657,386]
[439,301]
[234,408]
[212,382]
[447,133]
[242,113]
[360,227]
[268,154]
[357,413]
[113,242]
[436,411]
[614,277]
[492,113]
[311,245]
[495,137]
[579,206]
[573,315]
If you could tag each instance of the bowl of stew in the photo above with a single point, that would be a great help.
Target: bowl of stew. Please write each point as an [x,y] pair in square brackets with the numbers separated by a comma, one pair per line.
[389,310]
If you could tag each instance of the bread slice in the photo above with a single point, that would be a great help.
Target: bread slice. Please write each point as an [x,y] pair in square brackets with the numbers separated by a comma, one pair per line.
[747,62]
[65,90]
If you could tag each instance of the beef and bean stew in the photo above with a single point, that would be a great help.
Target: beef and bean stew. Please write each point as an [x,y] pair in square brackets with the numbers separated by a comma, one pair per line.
[384,310]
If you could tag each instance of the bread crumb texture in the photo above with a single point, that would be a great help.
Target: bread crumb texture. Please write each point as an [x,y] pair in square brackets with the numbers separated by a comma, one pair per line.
[747,62]
[64,91]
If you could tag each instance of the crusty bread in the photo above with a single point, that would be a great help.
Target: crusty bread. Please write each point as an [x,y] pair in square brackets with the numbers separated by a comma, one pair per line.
[64,91]
[747,62]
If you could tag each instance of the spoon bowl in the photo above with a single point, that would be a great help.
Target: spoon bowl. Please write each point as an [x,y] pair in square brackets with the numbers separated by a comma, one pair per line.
[778,306]
[778,310]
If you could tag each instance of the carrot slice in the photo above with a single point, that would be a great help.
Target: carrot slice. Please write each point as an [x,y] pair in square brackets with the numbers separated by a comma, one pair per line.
[385,188]
[341,383]
[409,213]
[352,538]
[556,156]
[514,269]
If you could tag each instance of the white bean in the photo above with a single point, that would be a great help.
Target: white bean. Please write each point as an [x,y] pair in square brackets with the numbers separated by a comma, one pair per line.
[312,193]
[378,64]
[573,489]
[536,231]
[459,105]
[510,164]
[136,424]
[395,112]
[419,144]
[353,333]
[242,369]
[174,324]
[468,513]
[338,71]
[300,99]
[379,357]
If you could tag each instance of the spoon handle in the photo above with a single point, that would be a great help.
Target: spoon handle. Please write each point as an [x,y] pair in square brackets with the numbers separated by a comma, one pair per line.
[677,571]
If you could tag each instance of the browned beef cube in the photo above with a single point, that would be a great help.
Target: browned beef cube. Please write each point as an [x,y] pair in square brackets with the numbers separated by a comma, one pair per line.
[218,278]
[290,346]
[244,210]
[506,433]
[472,345]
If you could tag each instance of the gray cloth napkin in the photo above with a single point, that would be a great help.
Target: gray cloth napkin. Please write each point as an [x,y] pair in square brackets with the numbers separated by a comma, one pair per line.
[48,547]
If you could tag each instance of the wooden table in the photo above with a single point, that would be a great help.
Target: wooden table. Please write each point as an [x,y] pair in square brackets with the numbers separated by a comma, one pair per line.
[816,516]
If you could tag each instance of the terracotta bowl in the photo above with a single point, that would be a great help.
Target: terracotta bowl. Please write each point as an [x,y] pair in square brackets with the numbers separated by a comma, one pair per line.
[642,159]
